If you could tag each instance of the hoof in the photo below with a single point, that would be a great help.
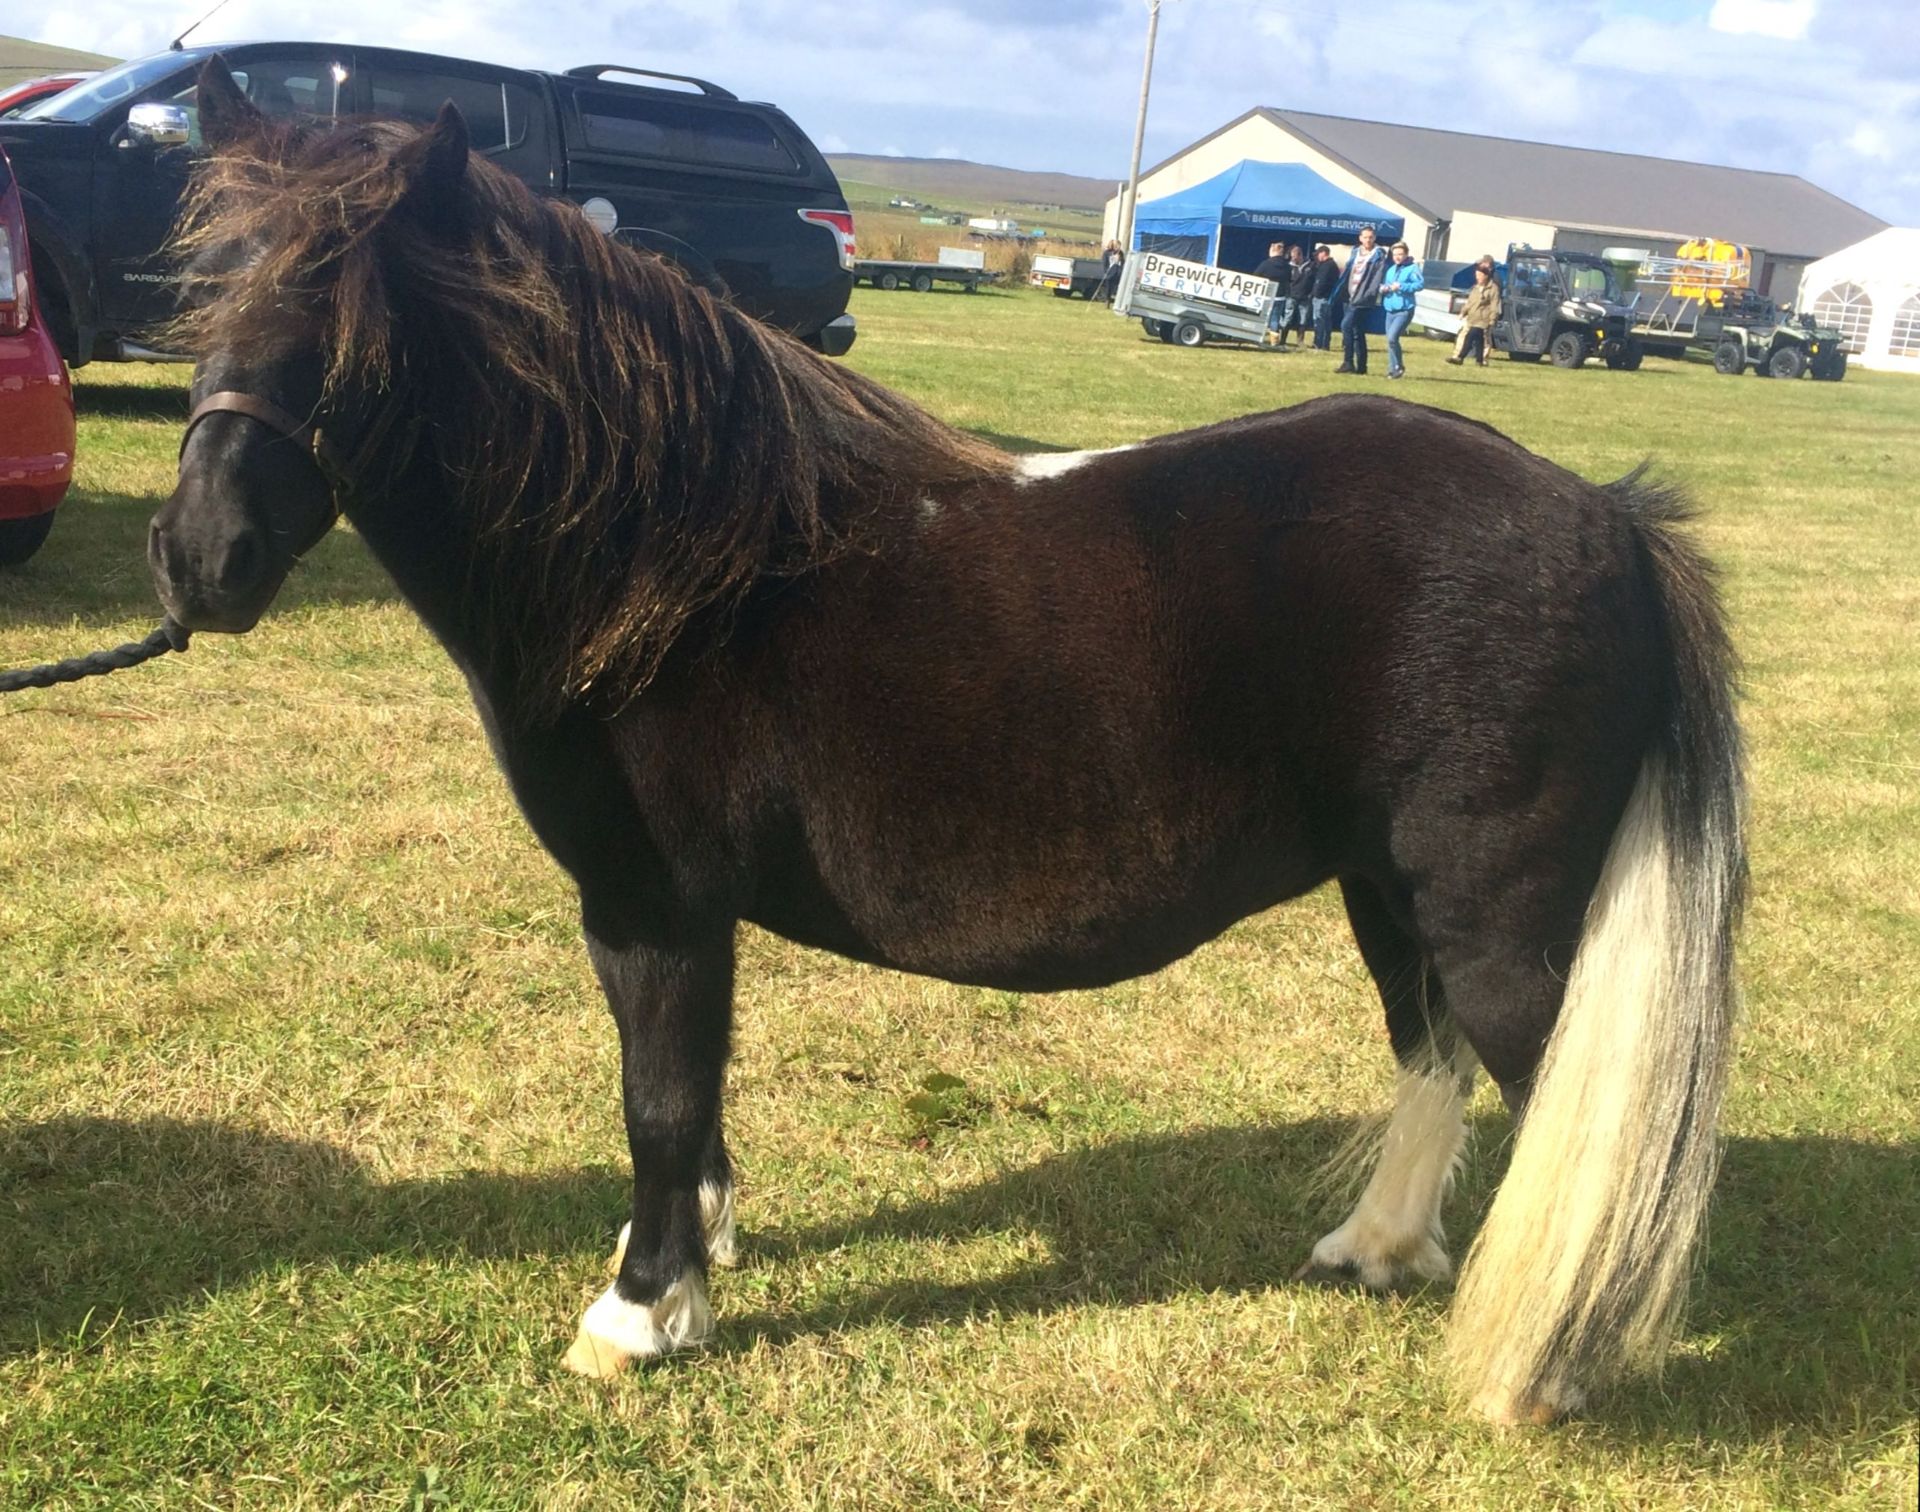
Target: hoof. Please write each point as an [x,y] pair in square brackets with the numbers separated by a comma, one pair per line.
[615,1332]
[1539,1409]
[1342,1259]
[594,1358]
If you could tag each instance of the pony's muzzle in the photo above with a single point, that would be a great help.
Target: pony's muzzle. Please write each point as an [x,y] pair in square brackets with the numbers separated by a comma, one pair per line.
[218,583]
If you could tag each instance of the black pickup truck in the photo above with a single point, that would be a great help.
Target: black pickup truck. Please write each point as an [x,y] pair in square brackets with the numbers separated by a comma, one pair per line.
[733,191]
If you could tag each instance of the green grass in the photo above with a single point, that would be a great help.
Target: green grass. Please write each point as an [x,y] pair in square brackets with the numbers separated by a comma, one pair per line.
[310,1145]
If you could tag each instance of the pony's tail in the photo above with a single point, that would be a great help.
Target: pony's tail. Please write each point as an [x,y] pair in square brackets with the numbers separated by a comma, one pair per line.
[1582,1267]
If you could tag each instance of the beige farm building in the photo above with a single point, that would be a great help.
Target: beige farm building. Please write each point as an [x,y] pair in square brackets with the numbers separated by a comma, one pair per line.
[1463,195]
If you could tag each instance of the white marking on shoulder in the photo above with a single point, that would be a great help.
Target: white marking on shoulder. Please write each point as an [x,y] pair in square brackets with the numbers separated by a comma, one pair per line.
[1038,465]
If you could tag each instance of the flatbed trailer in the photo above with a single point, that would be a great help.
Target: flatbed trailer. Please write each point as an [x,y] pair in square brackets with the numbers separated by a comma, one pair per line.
[1706,305]
[888,273]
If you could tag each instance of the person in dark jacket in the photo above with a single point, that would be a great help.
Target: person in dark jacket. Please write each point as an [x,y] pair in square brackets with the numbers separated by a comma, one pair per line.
[1326,278]
[1359,292]
[1273,268]
[1297,284]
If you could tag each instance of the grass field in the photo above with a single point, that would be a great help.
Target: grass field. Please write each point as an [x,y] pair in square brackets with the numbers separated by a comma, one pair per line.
[310,1146]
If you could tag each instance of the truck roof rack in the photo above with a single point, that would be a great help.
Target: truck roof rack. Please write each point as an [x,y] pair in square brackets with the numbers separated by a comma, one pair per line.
[595,70]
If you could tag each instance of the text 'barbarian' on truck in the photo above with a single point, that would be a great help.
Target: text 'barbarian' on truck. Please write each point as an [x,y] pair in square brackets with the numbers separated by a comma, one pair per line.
[732,191]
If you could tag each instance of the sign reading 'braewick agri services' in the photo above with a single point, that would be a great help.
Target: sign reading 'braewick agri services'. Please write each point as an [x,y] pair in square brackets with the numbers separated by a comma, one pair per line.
[1192,280]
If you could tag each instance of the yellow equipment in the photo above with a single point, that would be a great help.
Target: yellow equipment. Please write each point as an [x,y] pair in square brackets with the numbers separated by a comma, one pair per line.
[1705,269]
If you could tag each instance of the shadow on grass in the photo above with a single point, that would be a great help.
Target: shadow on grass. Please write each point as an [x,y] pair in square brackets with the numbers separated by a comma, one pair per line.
[103,400]
[1809,1310]
[94,567]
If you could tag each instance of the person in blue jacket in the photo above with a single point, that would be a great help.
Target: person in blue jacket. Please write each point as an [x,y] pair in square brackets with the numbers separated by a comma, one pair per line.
[1358,292]
[1401,281]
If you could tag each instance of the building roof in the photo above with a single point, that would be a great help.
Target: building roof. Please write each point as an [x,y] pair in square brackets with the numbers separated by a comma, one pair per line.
[1440,173]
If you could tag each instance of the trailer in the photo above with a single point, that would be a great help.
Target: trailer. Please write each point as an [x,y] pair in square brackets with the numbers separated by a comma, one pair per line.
[1705,303]
[957,265]
[1189,304]
[1068,276]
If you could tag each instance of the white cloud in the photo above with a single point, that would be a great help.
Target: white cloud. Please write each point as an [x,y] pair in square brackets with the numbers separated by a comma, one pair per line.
[1785,20]
[1870,140]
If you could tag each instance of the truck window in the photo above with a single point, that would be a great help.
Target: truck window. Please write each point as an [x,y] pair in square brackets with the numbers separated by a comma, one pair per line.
[1532,279]
[1589,283]
[686,132]
[497,110]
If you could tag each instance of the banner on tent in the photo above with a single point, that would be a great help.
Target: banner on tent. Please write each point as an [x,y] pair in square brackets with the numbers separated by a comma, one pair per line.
[1318,225]
[1173,275]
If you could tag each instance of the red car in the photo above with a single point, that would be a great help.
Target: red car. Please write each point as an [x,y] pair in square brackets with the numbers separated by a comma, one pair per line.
[15,98]
[36,396]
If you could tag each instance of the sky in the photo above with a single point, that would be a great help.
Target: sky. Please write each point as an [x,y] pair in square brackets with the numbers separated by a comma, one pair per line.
[1827,89]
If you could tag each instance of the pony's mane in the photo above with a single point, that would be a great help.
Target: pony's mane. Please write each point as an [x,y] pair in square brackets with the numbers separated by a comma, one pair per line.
[627,450]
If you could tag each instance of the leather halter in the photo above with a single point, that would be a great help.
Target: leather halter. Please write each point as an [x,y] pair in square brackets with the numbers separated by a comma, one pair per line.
[311,439]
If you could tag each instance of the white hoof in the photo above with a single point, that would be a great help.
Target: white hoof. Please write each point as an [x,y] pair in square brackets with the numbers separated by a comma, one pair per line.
[616,1332]
[1377,1261]
[716,1222]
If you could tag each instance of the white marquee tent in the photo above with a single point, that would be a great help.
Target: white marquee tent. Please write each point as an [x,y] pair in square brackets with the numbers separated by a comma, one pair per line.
[1871,293]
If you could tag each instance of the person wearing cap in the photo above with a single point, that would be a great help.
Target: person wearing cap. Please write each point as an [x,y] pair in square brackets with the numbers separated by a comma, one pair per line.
[1477,316]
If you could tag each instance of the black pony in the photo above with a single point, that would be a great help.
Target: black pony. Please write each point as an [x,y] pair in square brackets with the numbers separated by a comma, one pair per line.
[754,638]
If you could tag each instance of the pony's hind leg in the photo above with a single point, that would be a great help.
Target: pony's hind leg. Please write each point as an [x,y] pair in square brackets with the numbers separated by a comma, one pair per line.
[673,1005]
[1393,1237]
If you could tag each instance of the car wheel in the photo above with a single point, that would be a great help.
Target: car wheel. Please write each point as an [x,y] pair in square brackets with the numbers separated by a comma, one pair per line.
[20,539]
[1729,358]
[922,283]
[1789,362]
[1570,349]
[1189,333]
[1636,354]
[888,281]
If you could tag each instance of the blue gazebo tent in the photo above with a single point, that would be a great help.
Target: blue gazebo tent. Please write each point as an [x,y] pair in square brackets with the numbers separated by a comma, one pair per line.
[1229,220]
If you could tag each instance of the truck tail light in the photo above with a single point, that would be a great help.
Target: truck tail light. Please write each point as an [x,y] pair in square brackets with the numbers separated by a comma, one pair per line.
[16,276]
[840,223]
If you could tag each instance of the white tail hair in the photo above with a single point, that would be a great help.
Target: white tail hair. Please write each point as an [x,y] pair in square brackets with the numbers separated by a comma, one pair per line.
[1582,1266]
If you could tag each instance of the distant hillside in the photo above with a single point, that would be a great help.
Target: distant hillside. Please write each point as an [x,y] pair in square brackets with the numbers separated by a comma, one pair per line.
[21,59]
[939,179]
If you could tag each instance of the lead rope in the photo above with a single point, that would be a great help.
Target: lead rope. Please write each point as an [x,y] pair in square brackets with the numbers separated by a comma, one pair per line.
[169,637]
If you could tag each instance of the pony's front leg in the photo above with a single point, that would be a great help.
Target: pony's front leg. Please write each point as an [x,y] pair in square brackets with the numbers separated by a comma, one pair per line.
[673,1003]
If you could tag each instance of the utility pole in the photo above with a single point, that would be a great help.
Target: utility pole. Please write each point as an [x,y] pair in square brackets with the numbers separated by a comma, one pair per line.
[1139,131]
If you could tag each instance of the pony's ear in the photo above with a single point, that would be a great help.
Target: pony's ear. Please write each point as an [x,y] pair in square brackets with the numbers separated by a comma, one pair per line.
[226,114]
[435,164]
